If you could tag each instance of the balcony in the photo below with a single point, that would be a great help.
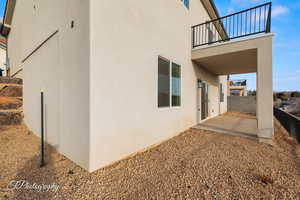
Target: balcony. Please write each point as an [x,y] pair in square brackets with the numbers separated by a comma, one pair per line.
[238,88]
[238,83]
[252,21]
[233,44]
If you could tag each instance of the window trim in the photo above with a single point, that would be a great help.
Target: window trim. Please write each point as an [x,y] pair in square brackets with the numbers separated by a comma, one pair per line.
[171,61]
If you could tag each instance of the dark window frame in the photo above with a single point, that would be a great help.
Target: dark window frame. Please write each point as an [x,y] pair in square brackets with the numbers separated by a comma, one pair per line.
[170,103]
[161,101]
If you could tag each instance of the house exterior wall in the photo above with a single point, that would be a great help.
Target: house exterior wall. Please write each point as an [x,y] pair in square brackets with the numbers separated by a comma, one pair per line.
[223,105]
[126,39]
[60,67]
[100,77]
[18,74]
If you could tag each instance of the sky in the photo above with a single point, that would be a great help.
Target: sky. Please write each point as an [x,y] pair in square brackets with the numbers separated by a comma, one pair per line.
[2,8]
[286,44]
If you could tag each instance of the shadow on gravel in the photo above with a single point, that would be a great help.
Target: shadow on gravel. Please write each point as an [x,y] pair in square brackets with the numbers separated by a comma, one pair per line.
[289,143]
[35,182]
[293,146]
[296,161]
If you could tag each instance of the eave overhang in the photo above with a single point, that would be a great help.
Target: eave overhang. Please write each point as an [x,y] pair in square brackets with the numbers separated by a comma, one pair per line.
[8,16]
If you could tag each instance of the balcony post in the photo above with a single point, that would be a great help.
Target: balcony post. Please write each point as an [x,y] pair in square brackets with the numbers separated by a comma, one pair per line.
[193,37]
[268,29]
[264,93]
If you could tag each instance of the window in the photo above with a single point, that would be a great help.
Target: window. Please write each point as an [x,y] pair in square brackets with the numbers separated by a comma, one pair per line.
[169,84]
[186,3]
[163,82]
[221,93]
[176,89]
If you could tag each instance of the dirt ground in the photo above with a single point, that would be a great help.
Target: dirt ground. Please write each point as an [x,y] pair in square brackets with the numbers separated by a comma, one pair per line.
[11,91]
[9,103]
[193,165]
[9,80]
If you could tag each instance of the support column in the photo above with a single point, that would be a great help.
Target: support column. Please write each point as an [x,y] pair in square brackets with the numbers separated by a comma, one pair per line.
[264,92]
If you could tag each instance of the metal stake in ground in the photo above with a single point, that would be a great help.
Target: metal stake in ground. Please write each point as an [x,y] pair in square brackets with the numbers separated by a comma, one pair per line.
[42,130]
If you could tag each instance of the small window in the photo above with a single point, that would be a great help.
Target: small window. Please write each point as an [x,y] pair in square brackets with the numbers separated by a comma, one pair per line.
[169,83]
[221,93]
[163,82]
[176,85]
[186,3]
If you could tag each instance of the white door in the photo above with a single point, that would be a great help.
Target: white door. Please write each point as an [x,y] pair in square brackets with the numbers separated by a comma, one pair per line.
[199,104]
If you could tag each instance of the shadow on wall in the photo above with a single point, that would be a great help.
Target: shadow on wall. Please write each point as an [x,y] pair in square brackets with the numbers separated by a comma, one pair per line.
[289,122]
[35,182]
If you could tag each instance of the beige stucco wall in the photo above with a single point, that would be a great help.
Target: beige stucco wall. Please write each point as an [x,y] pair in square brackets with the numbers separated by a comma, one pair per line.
[18,74]
[264,94]
[223,105]
[213,83]
[100,78]
[126,39]
[60,67]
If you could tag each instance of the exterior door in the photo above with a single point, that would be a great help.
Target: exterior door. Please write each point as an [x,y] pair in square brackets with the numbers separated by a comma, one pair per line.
[202,101]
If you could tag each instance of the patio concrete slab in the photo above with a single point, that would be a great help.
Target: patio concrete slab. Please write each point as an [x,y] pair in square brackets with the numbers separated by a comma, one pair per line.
[234,124]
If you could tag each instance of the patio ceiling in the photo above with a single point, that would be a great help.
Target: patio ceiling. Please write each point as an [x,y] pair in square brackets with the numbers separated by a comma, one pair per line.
[231,63]
[231,57]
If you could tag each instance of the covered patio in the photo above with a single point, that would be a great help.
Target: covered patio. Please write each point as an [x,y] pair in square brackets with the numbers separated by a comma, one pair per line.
[249,55]
[232,123]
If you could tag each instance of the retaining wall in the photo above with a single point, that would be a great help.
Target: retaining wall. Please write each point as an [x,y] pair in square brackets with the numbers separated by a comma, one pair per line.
[290,122]
[242,103]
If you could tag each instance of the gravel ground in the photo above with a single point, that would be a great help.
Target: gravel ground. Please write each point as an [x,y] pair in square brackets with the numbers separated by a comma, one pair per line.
[193,165]
[9,80]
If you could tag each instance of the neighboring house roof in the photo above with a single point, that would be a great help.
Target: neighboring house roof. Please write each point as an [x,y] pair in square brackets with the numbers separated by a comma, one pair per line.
[8,15]
[211,9]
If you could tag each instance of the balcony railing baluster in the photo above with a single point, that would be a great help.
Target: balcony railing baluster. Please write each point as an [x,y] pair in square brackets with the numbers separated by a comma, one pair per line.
[241,24]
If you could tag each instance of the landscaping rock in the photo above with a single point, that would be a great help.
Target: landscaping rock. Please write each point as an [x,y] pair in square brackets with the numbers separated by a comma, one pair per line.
[193,165]
[10,117]
[12,91]
[9,80]
[9,103]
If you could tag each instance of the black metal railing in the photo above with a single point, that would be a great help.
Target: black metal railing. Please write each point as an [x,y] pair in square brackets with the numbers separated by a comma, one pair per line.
[241,24]
[238,83]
